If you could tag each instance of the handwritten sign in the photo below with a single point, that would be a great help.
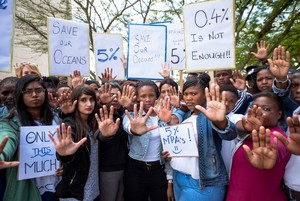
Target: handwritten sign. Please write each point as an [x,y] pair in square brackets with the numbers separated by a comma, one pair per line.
[179,140]
[146,51]
[209,35]
[7,17]
[176,51]
[108,54]
[68,47]
[37,154]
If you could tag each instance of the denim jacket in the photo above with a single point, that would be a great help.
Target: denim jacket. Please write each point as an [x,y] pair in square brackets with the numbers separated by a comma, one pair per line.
[139,143]
[212,170]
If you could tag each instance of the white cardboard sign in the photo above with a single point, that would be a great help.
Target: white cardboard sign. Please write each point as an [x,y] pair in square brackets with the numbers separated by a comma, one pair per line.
[209,35]
[108,54]
[176,51]
[146,51]
[7,17]
[68,44]
[37,153]
[179,140]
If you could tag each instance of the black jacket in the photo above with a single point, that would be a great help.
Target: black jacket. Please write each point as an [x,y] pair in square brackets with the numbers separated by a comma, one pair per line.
[75,167]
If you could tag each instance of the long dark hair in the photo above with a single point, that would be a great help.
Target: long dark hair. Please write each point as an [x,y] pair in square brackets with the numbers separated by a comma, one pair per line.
[83,129]
[26,119]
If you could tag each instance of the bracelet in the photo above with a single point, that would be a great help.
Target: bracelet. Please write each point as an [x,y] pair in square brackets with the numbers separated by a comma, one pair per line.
[282,81]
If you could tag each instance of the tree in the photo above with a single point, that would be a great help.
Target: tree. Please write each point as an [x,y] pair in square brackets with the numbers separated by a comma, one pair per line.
[277,22]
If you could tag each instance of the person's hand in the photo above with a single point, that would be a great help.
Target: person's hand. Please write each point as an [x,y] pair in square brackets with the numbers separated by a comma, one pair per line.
[238,80]
[280,64]
[164,110]
[166,155]
[59,171]
[166,70]
[107,75]
[106,124]
[174,97]
[170,193]
[127,97]
[4,164]
[77,79]
[292,142]
[105,94]
[65,104]
[262,51]
[254,120]
[64,145]
[263,155]
[52,101]
[138,122]
[215,107]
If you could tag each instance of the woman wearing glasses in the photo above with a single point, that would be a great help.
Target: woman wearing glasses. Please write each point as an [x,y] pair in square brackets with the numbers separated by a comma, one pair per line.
[31,109]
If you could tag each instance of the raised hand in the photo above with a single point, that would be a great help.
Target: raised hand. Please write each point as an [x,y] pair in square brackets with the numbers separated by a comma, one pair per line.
[254,120]
[238,80]
[4,164]
[263,155]
[127,97]
[292,142]
[138,122]
[106,123]
[65,145]
[215,107]
[52,101]
[105,94]
[174,97]
[107,75]
[164,110]
[77,79]
[280,64]
[262,51]
[65,104]
[166,70]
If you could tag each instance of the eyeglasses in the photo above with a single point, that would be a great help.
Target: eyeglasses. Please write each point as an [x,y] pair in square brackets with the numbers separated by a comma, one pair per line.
[29,92]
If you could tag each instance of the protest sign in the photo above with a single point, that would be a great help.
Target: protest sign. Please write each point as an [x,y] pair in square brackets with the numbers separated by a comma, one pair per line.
[176,51]
[179,140]
[7,18]
[209,35]
[146,51]
[68,44]
[108,54]
[37,154]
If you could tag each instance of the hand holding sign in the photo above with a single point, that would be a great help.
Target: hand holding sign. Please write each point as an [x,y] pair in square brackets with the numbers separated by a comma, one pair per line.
[106,124]
[65,145]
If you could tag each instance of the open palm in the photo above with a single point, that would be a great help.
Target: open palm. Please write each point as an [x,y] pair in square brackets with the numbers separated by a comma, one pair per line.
[106,124]
[263,155]
[64,145]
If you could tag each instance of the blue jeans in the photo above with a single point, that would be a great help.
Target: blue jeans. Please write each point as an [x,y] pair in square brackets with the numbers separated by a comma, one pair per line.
[187,188]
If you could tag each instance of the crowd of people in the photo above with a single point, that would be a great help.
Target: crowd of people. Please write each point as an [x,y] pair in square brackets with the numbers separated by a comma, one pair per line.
[247,131]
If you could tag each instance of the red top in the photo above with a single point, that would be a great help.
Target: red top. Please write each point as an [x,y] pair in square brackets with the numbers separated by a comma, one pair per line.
[248,183]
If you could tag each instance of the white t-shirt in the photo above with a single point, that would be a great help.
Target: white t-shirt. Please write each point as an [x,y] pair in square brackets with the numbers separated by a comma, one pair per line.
[154,147]
[292,173]
[228,146]
[188,165]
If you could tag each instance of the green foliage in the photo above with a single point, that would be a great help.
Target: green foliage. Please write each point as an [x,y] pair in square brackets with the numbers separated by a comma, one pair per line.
[277,22]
